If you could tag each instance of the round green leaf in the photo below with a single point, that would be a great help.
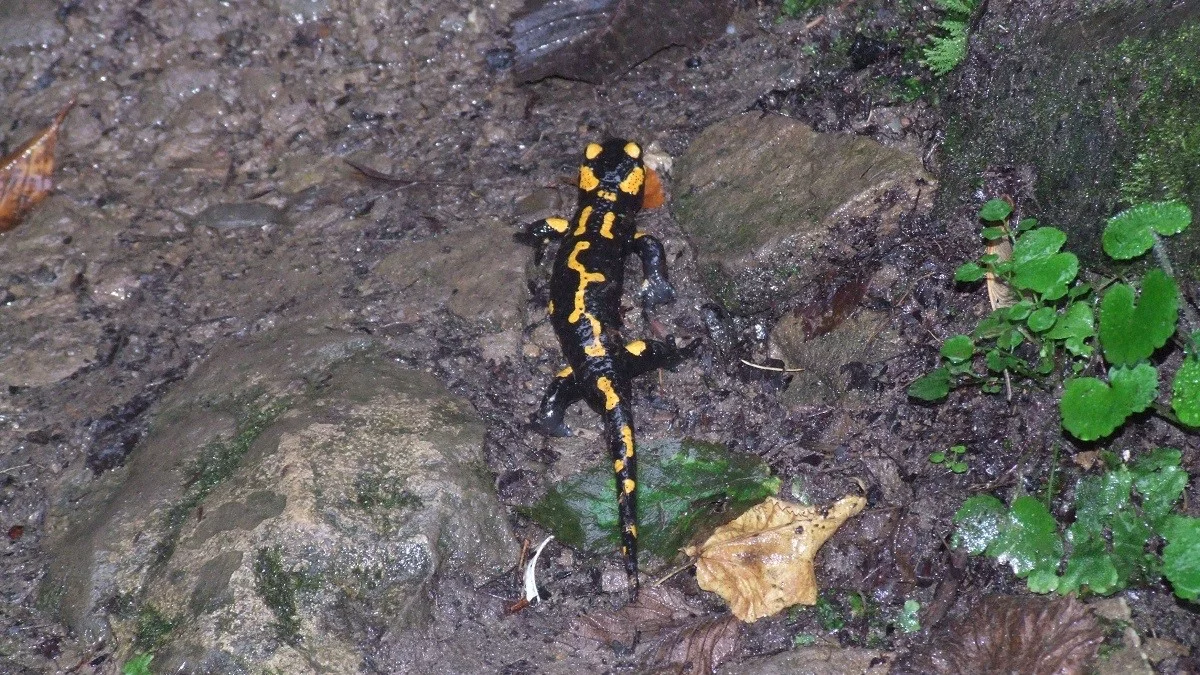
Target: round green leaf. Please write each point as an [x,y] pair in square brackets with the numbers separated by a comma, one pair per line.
[1047,276]
[1181,557]
[1126,238]
[995,209]
[1042,319]
[1030,540]
[931,387]
[1130,333]
[1077,322]
[979,521]
[1092,409]
[1185,394]
[994,232]
[1040,243]
[958,348]
[968,272]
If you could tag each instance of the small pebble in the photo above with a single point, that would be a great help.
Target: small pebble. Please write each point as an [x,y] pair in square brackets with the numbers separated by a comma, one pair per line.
[238,216]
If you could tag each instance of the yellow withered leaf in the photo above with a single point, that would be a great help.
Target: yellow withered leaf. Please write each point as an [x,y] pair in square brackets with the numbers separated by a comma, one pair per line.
[762,562]
[25,174]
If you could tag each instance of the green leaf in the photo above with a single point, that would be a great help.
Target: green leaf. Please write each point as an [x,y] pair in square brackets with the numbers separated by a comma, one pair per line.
[682,485]
[1010,339]
[1130,233]
[1161,482]
[937,457]
[932,386]
[1092,409]
[1027,224]
[908,621]
[1041,319]
[979,521]
[138,665]
[958,348]
[995,210]
[968,272]
[1039,267]
[1090,566]
[1029,540]
[1077,322]
[1020,311]
[994,232]
[1129,332]
[1185,392]
[1181,557]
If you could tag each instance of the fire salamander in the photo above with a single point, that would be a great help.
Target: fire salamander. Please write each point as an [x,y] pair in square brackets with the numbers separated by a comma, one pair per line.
[585,291]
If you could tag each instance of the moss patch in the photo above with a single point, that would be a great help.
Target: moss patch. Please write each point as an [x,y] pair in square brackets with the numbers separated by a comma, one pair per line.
[153,628]
[277,587]
[1164,122]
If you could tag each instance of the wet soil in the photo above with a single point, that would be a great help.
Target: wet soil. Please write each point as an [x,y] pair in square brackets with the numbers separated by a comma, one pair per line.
[132,271]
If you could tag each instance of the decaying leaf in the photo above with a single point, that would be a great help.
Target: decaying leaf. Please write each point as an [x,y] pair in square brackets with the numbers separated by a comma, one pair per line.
[762,562]
[999,293]
[1007,634]
[673,633]
[26,173]
[598,40]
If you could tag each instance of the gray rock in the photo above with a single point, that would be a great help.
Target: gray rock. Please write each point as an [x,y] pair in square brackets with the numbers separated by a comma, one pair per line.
[758,195]
[31,23]
[289,494]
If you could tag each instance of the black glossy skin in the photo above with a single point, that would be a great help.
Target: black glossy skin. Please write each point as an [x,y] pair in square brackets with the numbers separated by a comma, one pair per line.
[585,291]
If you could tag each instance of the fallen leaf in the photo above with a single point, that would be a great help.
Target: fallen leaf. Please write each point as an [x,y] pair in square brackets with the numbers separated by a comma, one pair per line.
[25,174]
[999,293]
[762,562]
[673,632]
[653,197]
[1007,634]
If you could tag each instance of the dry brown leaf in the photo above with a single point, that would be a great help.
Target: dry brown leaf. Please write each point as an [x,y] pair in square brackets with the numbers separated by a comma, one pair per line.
[25,174]
[1005,634]
[762,562]
[999,293]
[673,630]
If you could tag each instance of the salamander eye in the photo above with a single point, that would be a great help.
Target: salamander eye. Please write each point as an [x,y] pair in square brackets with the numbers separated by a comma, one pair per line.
[592,151]
[633,150]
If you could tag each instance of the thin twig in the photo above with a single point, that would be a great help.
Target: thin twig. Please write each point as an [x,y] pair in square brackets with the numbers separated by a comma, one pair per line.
[772,368]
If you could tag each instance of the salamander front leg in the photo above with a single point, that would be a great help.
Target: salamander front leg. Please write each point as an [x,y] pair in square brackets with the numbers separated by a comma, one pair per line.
[562,392]
[542,232]
[656,289]
[643,356]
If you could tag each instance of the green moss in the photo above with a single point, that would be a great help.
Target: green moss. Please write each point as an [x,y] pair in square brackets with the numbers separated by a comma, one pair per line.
[153,628]
[277,587]
[1164,120]
[373,491]
[215,463]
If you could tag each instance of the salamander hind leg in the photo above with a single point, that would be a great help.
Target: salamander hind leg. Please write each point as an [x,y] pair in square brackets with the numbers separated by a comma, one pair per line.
[562,392]
[656,289]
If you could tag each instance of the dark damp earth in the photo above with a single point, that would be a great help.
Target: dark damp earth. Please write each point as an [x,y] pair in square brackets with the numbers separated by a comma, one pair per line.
[205,200]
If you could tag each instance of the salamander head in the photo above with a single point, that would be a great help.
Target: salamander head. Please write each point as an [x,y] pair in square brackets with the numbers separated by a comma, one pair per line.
[613,168]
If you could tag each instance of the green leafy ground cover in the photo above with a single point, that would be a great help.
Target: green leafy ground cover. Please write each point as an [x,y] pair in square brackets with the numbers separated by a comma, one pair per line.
[1123,518]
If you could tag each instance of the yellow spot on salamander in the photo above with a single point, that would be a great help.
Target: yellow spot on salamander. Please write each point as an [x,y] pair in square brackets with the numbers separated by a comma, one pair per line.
[633,182]
[638,235]
[636,347]
[605,194]
[633,530]
[592,151]
[587,179]
[632,149]
[627,441]
[585,278]
[557,224]
[594,348]
[618,466]
[606,226]
[584,215]
[550,307]
[610,397]
[628,486]
[565,372]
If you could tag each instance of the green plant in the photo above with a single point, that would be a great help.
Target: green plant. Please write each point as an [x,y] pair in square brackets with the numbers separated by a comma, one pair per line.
[277,587]
[1121,517]
[947,50]
[138,665]
[1052,325]
[791,9]
[952,459]
[908,621]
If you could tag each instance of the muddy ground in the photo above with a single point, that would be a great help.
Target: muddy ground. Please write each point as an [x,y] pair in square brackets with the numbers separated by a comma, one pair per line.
[126,279]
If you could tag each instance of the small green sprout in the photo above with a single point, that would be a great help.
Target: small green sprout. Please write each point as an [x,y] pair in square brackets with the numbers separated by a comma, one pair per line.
[952,458]
[908,621]
[138,665]
[947,50]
